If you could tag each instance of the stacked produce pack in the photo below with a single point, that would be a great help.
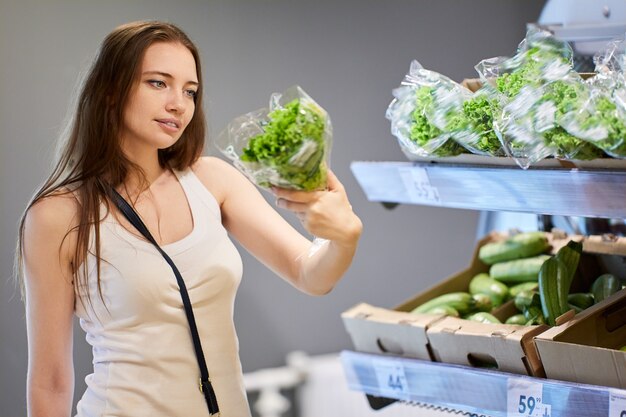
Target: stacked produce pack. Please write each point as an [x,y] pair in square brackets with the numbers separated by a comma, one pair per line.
[530,106]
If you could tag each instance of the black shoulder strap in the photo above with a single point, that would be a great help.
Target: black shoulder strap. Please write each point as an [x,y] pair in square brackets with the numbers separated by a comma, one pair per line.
[204,383]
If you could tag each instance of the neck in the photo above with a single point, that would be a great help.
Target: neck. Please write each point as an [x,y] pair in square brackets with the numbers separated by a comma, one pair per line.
[148,161]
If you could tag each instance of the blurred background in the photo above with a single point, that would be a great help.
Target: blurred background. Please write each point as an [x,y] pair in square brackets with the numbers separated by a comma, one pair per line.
[348,55]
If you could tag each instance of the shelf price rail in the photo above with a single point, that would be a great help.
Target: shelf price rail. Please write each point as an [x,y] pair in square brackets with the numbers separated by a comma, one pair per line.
[541,190]
[480,391]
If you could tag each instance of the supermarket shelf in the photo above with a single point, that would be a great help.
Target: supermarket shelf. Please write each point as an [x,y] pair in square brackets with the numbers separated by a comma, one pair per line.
[478,391]
[555,191]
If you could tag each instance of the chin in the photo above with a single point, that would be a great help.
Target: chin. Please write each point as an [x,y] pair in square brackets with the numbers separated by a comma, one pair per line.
[164,144]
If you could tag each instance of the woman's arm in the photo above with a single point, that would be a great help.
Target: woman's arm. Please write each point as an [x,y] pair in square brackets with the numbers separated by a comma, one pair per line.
[325,214]
[49,306]
[272,240]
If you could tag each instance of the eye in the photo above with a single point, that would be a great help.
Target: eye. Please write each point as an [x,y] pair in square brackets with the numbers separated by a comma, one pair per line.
[157,83]
[191,93]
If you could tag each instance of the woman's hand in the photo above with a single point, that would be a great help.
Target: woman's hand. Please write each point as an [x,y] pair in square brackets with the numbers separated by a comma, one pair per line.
[326,214]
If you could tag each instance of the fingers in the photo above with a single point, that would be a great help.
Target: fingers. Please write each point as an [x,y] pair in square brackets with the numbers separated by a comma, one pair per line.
[296,195]
[292,205]
[333,182]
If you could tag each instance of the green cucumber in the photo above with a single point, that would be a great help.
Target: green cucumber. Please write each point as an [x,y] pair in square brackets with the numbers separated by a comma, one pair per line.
[516,319]
[460,301]
[552,272]
[444,309]
[570,256]
[522,245]
[534,315]
[483,317]
[484,284]
[604,286]
[582,300]
[527,298]
[520,270]
[516,289]
[483,302]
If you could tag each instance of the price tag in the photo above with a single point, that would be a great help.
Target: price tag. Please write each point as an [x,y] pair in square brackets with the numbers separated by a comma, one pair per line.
[418,187]
[524,399]
[391,379]
[617,403]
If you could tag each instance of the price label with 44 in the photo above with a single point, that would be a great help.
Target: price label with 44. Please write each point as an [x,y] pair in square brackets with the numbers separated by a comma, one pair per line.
[524,399]
[391,379]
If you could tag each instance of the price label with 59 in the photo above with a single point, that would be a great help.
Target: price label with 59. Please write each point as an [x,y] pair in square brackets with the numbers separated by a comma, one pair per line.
[617,403]
[525,399]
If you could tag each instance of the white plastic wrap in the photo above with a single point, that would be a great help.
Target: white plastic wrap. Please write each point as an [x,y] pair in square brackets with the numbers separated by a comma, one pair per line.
[415,119]
[286,145]
[539,95]
[476,132]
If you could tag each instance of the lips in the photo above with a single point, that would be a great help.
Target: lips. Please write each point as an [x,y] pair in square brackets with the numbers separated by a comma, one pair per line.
[172,124]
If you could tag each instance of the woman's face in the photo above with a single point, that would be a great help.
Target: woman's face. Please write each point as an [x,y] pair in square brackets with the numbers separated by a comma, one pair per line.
[162,103]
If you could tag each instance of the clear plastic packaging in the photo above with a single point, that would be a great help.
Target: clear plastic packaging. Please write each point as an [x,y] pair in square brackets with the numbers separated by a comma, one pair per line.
[604,124]
[602,121]
[286,145]
[539,91]
[475,131]
[421,127]
[611,58]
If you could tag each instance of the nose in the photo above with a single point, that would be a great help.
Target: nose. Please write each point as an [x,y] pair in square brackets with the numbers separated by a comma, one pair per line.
[176,103]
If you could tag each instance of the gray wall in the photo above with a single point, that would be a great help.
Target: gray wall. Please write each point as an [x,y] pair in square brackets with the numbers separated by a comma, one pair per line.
[348,55]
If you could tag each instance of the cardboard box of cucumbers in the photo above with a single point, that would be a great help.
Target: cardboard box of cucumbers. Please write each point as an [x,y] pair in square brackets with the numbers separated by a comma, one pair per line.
[589,348]
[488,315]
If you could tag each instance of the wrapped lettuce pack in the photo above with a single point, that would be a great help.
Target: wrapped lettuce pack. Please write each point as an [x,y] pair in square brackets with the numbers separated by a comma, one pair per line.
[600,119]
[539,94]
[420,124]
[604,124]
[474,128]
[286,145]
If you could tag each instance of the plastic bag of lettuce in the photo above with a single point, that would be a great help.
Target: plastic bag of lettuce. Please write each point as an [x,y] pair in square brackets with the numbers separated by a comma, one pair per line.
[603,121]
[419,121]
[286,145]
[539,94]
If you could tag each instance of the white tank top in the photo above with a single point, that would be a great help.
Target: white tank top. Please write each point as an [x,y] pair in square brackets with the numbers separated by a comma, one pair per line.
[143,357]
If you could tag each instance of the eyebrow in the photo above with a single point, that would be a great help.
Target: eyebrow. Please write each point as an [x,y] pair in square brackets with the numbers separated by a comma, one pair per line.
[166,75]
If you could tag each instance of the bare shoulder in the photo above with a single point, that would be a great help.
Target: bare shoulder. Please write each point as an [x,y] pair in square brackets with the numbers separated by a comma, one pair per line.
[51,219]
[218,176]
[54,211]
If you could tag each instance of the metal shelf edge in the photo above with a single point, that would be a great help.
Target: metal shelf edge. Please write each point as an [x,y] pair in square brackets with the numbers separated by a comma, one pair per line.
[475,390]
[568,192]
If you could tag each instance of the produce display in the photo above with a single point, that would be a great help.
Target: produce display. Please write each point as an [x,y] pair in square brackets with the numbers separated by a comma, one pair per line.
[287,145]
[530,106]
[524,274]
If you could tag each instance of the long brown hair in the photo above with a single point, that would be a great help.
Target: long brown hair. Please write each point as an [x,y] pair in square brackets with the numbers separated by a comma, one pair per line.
[90,156]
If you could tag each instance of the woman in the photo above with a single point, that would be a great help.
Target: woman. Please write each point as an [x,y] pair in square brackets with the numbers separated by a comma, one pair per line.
[139,127]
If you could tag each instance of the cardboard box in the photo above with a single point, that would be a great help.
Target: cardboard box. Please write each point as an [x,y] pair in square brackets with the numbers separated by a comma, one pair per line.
[512,348]
[509,348]
[586,348]
[379,330]
[399,332]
